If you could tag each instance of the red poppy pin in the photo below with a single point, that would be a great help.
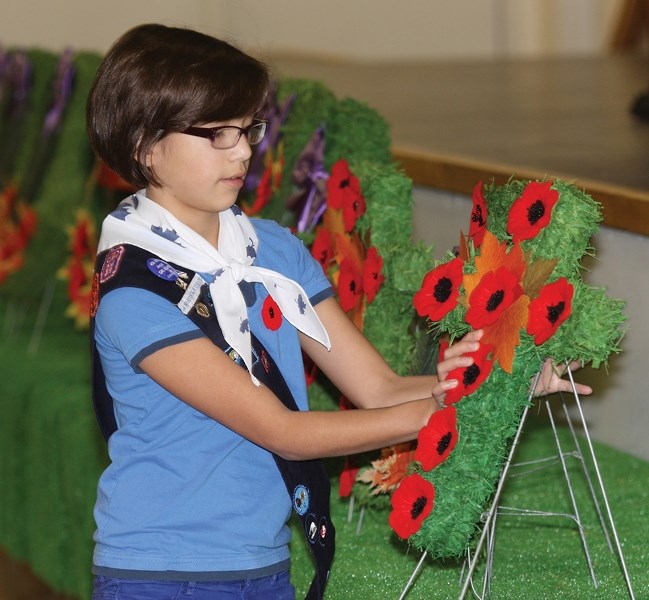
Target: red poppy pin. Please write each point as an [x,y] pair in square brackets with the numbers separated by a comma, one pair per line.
[271,314]
[478,223]
[496,291]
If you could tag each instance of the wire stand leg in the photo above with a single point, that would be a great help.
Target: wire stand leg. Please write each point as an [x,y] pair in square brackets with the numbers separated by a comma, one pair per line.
[414,575]
[492,510]
[572,495]
[587,476]
[618,546]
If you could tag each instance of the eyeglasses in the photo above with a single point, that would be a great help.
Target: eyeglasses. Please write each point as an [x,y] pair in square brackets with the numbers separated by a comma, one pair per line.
[228,136]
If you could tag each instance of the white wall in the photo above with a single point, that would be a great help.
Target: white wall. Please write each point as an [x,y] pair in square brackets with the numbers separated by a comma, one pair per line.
[361,29]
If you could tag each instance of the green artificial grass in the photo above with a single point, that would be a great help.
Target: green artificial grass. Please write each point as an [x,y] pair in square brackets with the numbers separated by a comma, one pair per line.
[534,557]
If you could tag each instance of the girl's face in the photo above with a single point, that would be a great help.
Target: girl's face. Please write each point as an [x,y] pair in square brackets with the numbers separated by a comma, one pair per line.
[197,180]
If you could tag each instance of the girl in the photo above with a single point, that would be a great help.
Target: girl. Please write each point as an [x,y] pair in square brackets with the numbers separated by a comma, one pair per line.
[203,451]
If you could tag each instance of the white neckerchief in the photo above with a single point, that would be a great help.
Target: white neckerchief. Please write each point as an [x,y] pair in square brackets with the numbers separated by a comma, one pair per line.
[144,223]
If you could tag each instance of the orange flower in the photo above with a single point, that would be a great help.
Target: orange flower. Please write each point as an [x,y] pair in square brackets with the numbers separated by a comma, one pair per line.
[387,471]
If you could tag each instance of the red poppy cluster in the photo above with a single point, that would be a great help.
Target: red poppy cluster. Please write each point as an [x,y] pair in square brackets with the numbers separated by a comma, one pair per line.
[413,500]
[354,267]
[508,291]
[17,226]
[79,268]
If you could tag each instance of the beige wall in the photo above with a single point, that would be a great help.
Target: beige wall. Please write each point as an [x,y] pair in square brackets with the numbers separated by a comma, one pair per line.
[361,29]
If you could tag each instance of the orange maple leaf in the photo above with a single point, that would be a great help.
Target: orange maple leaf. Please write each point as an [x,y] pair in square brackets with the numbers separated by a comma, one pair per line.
[493,255]
[504,333]
[536,275]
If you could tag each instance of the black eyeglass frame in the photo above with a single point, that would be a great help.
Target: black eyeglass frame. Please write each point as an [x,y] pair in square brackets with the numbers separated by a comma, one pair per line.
[210,133]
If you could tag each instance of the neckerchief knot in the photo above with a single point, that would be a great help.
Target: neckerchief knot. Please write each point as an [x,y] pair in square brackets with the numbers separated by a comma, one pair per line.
[142,222]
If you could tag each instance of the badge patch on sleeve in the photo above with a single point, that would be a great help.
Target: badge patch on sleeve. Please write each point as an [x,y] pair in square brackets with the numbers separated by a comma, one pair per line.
[112,263]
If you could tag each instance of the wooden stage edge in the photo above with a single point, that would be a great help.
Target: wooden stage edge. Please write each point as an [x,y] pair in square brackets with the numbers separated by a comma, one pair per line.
[622,208]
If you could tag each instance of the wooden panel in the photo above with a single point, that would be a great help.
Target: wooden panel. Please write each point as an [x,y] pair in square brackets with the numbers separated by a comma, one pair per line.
[454,123]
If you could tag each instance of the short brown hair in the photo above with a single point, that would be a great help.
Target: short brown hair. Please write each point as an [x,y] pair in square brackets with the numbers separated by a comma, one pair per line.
[156,80]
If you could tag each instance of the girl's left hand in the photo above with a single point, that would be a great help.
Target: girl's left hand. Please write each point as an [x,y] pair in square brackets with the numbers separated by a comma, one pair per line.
[550,380]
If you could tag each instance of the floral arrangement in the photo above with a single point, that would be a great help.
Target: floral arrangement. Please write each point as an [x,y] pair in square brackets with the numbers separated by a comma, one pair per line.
[325,171]
[78,269]
[17,225]
[517,276]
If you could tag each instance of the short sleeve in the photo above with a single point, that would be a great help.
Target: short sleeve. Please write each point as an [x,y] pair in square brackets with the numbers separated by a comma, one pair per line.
[136,323]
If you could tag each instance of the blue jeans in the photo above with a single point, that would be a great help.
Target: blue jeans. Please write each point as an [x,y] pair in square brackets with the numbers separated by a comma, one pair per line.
[273,587]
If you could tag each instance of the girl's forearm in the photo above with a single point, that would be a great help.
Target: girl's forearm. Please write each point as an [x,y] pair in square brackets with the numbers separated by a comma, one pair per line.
[319,434]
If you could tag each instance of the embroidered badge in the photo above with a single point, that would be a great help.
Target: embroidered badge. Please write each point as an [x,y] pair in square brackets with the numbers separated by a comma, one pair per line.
[236,357]
[94,295]
[311,529]
[322,531]
[301,499]
[112,263]
[265,362]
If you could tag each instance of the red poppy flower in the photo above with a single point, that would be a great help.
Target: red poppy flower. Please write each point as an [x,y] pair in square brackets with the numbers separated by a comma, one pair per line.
[551,308]
[342,185]
[439,290]
[271,314]
[478,224]
[470,378]
[496,291]
[532,211]
[82,236]
[437,439]
[322,248]
[411,503]
[262,194]
[350,285]
[373,278]
[347,478]
[107,178]
[353,207]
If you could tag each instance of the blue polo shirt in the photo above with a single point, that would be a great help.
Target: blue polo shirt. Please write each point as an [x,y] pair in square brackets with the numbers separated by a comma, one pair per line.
[185,497]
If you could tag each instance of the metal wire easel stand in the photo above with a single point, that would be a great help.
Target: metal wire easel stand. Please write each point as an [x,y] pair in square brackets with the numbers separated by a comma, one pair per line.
[489,517]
